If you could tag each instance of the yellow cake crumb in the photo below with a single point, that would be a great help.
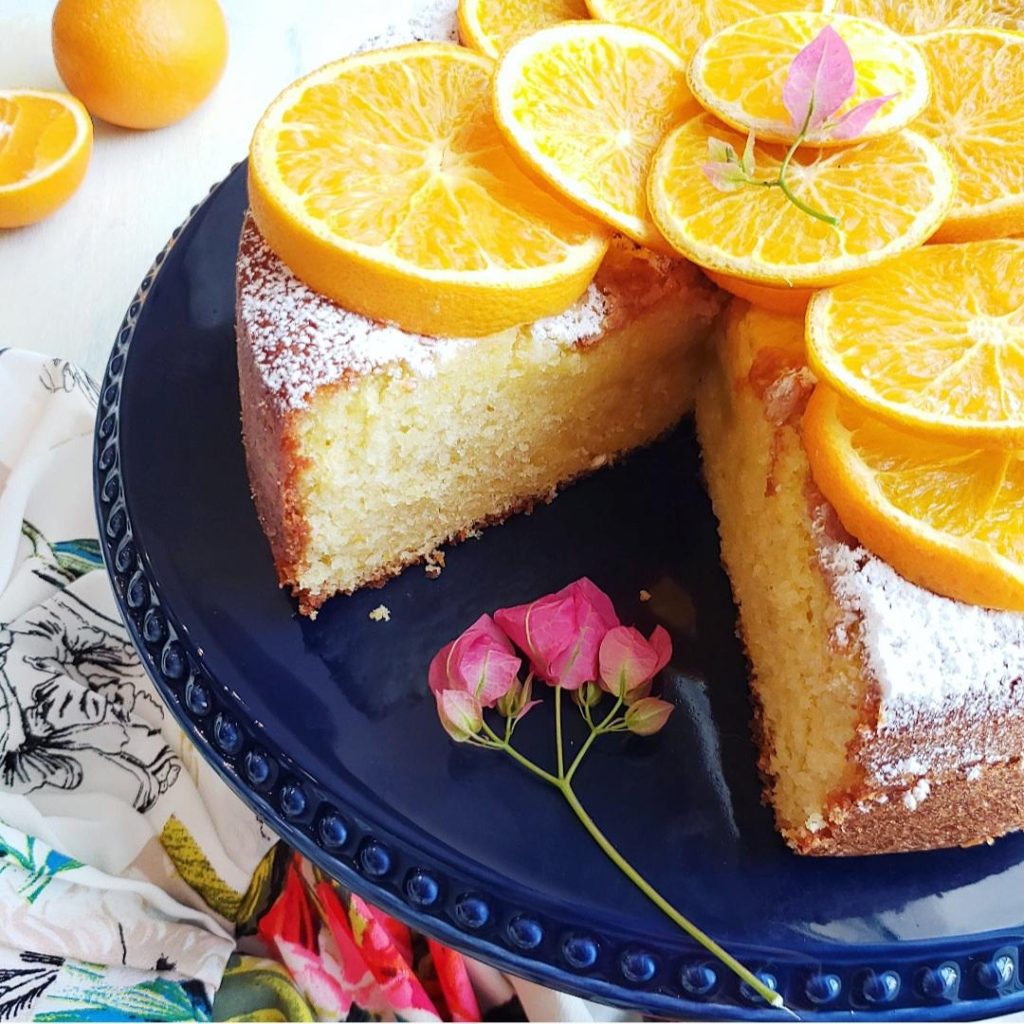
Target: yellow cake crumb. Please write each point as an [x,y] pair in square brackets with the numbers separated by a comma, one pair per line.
[382,613]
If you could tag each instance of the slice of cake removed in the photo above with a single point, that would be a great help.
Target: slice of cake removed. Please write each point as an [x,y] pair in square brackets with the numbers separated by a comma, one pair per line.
[368,447]
[889,718]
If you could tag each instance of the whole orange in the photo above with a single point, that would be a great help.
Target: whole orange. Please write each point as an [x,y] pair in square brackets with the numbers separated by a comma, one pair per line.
[140,63]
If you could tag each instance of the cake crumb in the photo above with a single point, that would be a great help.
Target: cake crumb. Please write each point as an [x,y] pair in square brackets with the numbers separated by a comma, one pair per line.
[382,613]
[645,596]
[815,823]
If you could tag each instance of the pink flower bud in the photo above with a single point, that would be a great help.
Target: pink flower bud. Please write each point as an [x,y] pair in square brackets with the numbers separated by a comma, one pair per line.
[562,633]
[460,714]
[628,662]
[648,716]
[481,662]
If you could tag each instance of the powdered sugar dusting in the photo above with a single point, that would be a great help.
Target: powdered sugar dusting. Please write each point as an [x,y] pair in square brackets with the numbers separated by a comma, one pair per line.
[302,341]
[581,322]
[923,648]
[435,21]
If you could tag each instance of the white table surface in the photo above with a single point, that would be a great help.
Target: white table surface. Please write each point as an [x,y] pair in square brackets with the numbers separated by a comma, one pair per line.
[66,282]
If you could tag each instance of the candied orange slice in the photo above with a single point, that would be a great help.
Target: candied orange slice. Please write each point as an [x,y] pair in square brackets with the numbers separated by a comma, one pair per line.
[889,194]
[685,25]
[739,74]
[492,26]
[383,182]
[946,516]
[585,105]
[976,114]
[45,143]
[934,341]
[765,296]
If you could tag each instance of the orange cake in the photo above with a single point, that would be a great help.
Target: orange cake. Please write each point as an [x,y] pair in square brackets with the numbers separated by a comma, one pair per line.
[368,447]
[890,718]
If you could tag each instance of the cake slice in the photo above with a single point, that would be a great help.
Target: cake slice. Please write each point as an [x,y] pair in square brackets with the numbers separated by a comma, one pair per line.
[368,447]
[889,718]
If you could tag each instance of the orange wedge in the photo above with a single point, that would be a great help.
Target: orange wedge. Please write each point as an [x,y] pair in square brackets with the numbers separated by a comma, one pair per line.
[945,516]
[585,105]
[765,296]
[45,143]
[739,74]
[383,182]
[977,115]
[889,195]
[934,341]
[685,24]
[492,26]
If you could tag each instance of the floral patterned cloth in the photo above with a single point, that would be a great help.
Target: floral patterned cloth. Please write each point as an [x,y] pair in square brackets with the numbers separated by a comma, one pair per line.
[134,885]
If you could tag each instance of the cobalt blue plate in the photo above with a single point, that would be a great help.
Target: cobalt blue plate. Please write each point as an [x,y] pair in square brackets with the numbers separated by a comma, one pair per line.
[327,731]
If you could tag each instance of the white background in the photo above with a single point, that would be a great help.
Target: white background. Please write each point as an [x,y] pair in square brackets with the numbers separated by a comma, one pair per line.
[66,282]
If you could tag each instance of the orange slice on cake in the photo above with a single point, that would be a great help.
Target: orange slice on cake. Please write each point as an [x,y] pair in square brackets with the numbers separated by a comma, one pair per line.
[584,106]
[492,26]
[739,74]
[685,25]
[383,182]
[933,342]
[976,114]
[888,194]
[946,516]
[45,143]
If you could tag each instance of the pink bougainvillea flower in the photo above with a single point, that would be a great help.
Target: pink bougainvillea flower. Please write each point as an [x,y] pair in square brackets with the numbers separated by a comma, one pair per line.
[856,119]
[648,715]
[461,714]
[480,662]
[627,661]
[820,80]
[562,633]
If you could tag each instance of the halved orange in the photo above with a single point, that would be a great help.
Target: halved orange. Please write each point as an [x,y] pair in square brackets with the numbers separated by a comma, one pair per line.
[383,182]
[889,194]
[685,24]
[945,516]
[976,114]
[934,341]
[739,73]
[584,105]
[45,144]
[776,298]
[492,26]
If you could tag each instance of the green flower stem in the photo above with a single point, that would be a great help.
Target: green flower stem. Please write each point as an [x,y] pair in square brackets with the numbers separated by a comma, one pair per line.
[524,761]
[768,995]
[791,196]
[558,732]
[563,783]
[780,181]
[595,731]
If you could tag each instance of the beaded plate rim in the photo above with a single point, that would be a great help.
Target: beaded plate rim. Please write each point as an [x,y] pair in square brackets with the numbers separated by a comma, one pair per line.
[956,979]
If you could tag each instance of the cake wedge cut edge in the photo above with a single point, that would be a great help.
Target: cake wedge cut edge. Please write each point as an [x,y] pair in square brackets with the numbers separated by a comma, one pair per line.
[368,447]
[889,718]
